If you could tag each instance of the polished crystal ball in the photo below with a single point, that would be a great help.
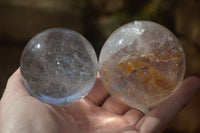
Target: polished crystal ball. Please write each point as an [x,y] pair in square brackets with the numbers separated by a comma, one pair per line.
[141,64]
[59,66]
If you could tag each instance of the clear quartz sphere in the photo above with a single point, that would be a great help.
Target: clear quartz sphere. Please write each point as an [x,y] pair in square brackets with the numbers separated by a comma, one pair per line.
[59,66]
[141,64]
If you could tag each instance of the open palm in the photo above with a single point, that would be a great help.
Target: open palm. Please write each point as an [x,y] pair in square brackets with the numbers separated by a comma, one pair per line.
[96,113]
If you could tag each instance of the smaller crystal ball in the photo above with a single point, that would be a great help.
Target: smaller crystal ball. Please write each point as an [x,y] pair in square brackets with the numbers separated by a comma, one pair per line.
[141,64]
[59,66]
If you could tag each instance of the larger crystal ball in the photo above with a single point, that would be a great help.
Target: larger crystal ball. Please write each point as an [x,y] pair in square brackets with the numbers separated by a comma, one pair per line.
[59,66]
[141,64]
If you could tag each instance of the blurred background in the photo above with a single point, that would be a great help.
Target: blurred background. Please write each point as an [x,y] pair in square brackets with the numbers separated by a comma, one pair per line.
[20,20]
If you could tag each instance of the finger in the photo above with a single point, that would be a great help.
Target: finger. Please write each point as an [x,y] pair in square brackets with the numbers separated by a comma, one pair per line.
[15,86]
[133,116]
[98,94]
[127,129]
[113,106]
[166,111]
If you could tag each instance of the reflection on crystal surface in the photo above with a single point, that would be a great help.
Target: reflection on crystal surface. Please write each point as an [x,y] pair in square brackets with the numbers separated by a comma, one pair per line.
[59,66]
[141,64]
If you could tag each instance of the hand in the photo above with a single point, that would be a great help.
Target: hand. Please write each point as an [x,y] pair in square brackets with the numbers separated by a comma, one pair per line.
[96,113]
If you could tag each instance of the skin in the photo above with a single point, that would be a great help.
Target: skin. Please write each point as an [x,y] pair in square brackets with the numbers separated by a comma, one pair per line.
[96,113]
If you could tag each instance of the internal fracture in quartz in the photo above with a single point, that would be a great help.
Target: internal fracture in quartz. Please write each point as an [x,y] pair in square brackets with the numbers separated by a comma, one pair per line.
[59,66]
[141,64]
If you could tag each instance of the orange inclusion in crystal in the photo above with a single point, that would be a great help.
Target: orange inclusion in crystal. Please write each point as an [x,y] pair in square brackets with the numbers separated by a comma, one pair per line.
[107,83]
[130,66]
[170,55]
[154,80]
[106,75]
